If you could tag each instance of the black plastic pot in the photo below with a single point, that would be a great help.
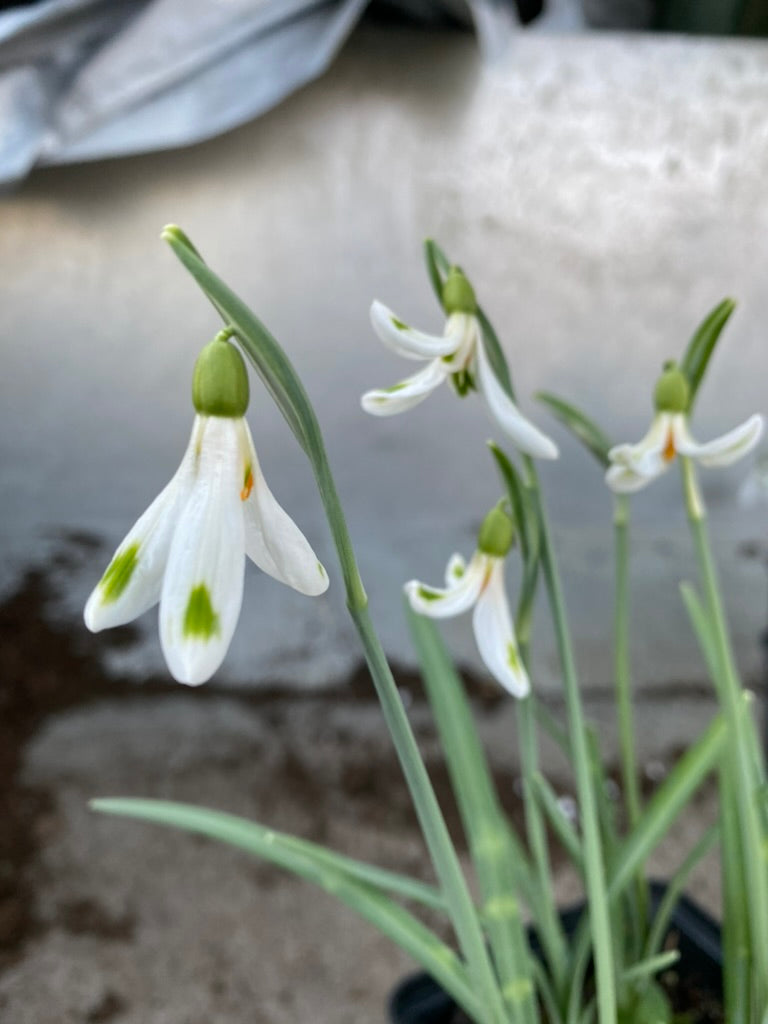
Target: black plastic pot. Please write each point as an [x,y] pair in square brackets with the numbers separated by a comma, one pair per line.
[420,1000]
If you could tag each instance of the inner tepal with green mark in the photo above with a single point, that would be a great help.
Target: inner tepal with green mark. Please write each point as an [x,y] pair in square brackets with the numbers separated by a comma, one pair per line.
[118,573]
[200,620]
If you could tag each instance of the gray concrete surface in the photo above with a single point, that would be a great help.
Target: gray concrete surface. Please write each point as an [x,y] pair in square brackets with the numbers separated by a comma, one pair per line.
[603,193]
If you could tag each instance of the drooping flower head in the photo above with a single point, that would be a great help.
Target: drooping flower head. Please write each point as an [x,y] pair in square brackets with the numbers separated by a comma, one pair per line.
[188,549]
[635,465]
[481,583]
[459,356]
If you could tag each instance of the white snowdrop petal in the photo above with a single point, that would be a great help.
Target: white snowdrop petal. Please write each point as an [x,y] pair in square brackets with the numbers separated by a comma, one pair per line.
[649,449]
[625,480]
[727,448]
[203,584]
[455,570]
[406,394]
[438,603]
[526,436]
[132,581]
[407,341]
[274,542]
[495,635]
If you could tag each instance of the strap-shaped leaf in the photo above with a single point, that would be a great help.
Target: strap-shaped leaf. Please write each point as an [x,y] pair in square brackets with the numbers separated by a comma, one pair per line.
[527,524]
[499,860]
[357,885]
[667,802]
[437,267]
[702,346]
[266,355]
[579,424]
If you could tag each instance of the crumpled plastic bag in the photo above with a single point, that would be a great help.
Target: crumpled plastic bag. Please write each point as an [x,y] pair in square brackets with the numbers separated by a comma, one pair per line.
[88,79]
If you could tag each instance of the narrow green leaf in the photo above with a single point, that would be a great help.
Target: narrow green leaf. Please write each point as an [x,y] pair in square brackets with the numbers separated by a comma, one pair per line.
[266,355]
[674,890]
[173,232]
[550,725]
[562,828]
[702,626]
[580,425]
[702,345]
[437,267]
[526,521]
[498,857]
[652,965]
[522,509]
[495,353]
[320,866]
[665,805]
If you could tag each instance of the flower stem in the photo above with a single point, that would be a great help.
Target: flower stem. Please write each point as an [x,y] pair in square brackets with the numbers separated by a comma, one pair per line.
[436,836]
[548,923]
[623,685]
[500,862]
[742,776]
[444,858]
[594,868]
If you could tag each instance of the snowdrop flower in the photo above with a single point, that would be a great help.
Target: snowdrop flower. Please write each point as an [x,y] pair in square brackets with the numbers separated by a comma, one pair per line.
[459,355]
[635,465]
[188,549]
[481,583]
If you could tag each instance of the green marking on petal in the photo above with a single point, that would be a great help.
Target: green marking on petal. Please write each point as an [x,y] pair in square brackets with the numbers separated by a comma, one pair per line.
[200,620]
[118,574]
[513,658]
[321,570]
[458,571]
[395,387]
[428,595]
[399,324]
[463,381]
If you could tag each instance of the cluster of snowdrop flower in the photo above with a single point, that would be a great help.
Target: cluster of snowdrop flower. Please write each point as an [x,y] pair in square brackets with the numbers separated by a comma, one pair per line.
[188,552]
[188,549]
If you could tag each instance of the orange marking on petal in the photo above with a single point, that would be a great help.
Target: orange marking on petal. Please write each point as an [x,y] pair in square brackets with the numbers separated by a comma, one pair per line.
[669,449]
[248,485]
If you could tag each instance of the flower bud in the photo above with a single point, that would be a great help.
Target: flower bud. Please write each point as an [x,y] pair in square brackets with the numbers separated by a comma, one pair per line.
[497,533]
[672,392]
[220,380]
[458,293]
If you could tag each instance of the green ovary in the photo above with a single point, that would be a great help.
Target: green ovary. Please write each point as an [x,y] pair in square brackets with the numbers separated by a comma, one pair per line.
[119,573]
[200,620]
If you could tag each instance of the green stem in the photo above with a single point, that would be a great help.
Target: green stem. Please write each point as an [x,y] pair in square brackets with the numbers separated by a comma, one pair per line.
[623,685]
[622,664]
[594,868]
[548,925]
[742,778]
[499,860]
[464,915]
